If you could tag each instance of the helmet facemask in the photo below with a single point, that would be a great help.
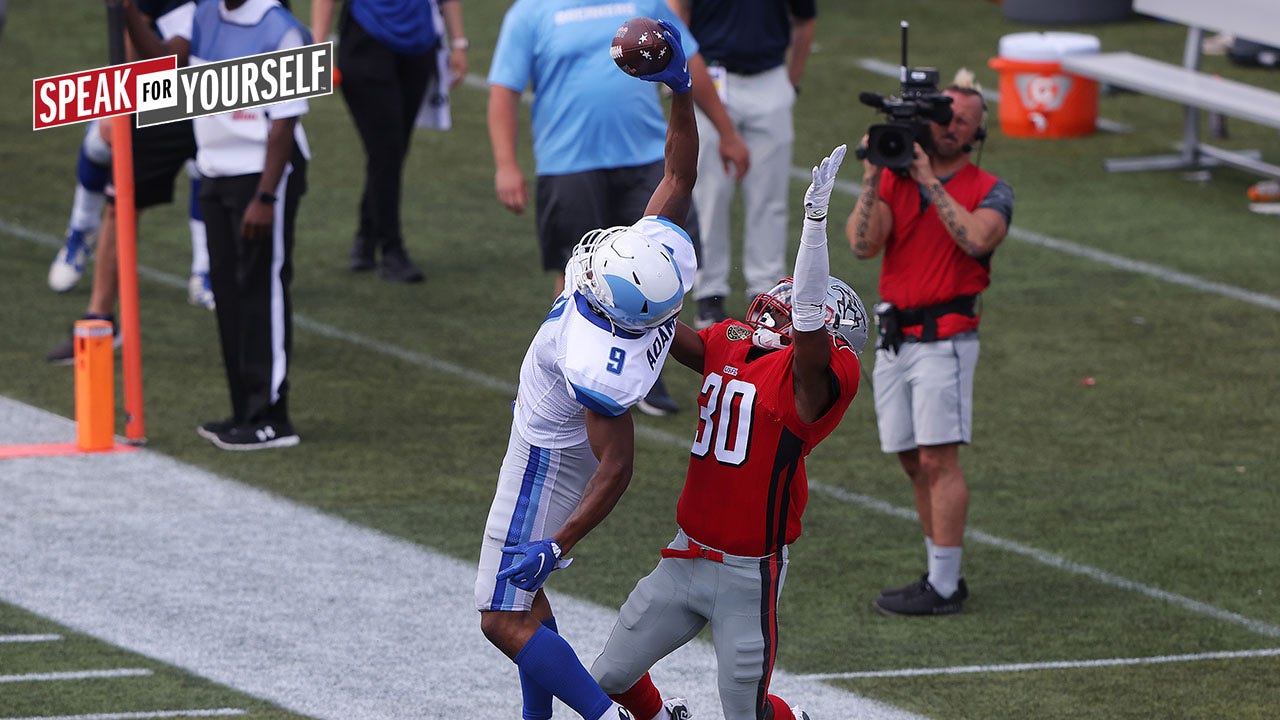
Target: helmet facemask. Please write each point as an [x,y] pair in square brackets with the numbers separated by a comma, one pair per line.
[770,315]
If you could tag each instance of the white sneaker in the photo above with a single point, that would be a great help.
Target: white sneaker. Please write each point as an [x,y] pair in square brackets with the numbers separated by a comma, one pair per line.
[677,709]
[68,265]
[200,292]
[800,713]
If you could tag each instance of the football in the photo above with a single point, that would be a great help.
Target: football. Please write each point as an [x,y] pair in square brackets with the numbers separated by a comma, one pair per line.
[640,48]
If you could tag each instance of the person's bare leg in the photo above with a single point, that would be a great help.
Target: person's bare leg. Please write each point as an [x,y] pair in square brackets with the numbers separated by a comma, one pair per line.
[948,494]
[106,283]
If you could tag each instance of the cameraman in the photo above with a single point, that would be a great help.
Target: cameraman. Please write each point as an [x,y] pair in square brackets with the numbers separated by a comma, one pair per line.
[938,223]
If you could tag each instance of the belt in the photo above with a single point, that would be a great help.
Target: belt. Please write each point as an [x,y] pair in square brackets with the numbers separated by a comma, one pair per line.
[965,305]
[694,551]
[891,320]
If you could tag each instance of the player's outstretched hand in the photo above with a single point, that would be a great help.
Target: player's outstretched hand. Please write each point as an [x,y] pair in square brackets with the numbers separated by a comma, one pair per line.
[676,74]
[538,559]
[818,196]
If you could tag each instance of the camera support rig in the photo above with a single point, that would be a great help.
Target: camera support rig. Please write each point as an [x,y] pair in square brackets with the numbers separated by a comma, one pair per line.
[890,144]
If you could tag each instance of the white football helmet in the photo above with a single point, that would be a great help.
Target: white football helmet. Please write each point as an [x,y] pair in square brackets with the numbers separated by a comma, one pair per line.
[627,276]
[770,315]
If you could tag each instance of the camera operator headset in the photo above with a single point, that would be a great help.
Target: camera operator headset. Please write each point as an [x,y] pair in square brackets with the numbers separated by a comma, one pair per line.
[979,135]
[938,219]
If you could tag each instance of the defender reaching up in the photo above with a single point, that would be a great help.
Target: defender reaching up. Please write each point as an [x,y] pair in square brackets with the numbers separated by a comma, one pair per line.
[772,388]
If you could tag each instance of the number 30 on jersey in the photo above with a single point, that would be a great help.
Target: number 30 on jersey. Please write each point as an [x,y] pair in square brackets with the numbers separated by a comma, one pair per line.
[724,426]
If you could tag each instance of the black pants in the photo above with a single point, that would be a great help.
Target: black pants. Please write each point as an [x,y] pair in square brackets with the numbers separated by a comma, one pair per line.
[383,90]
[571,205]
[250,280]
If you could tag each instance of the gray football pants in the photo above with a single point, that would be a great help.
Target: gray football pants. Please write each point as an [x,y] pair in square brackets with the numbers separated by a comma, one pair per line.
[670,606]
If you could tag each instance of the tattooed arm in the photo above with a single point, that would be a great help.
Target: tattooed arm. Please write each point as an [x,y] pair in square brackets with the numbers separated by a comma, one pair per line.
[868,225]
[978,232]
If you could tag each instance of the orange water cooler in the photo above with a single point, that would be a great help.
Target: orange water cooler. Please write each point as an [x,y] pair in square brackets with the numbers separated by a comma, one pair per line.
[1038,99]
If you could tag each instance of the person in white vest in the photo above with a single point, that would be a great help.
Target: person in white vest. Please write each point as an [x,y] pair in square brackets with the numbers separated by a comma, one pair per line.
[254,163]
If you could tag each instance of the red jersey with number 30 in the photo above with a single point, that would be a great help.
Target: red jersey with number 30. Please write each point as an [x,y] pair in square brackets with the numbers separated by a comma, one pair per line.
[746,487]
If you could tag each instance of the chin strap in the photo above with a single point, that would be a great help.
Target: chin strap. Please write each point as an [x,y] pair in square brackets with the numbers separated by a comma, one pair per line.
[767,339]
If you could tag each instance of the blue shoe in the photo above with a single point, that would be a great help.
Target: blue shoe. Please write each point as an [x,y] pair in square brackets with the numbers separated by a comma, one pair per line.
[68,266]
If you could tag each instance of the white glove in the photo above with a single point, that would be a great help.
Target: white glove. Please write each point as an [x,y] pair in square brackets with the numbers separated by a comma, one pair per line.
[818,196]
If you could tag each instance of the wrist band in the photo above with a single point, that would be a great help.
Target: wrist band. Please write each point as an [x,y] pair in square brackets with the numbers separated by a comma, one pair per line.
[460,43]
[266,197]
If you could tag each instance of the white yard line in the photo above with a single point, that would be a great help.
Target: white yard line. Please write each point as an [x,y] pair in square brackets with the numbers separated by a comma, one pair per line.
[973,535]
[29,638]
[76,675]
[1060,665]
[1102,257]
[215,712]
[504,386]
[280,601]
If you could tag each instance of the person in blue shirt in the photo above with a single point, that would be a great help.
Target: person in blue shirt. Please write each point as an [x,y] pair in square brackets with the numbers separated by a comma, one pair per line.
[387,56]
[597,135]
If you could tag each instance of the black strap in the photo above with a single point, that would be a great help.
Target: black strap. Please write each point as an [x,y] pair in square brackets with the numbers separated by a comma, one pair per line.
[891,320]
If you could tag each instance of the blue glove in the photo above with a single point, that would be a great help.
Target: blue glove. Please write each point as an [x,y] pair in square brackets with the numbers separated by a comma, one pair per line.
[676,74]
[531,571]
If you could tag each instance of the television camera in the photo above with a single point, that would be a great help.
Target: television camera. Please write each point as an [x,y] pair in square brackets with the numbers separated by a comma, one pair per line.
[920,102]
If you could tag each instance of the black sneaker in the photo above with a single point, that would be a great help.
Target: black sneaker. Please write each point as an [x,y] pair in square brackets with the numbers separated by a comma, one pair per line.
[65,354]
[710,312]
[210,430]
[397,267]
[914,587]
[925,601]
[361,255]
[658,402]
[256,436]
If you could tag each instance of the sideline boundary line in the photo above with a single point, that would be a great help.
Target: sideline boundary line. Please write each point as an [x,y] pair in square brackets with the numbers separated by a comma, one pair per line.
[1056,665]
[58,448]
[432,363]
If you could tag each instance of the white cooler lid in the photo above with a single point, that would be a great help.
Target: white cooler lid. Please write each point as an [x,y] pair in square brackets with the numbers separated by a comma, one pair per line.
[1047,46]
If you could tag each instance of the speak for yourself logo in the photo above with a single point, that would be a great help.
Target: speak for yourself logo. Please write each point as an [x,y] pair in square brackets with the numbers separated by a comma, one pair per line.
[160,92]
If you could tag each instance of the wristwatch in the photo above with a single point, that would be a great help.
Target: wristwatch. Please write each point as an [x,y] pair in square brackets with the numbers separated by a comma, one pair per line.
[266,197]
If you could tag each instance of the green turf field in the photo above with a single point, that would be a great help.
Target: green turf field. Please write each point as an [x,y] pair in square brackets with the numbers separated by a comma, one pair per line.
[1130,518]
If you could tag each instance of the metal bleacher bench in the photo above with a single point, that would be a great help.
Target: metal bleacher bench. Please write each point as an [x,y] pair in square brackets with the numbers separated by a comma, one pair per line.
[1257,20]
